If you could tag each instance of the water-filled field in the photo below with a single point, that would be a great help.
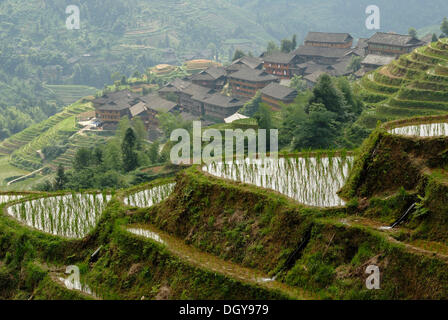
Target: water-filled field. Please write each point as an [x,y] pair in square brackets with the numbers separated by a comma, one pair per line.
[77,285]
[313,181]
[4,198]
[422,130]
[150,197]
[147,234]
[71,216]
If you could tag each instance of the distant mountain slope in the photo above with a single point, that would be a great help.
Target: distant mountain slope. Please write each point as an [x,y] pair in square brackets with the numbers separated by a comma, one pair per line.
[284,17]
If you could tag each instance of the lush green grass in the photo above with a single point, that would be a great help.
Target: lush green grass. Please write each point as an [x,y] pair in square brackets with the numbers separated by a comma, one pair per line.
[8,171]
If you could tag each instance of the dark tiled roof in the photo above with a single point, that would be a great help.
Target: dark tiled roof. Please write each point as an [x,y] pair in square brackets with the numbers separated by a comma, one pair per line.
[196,90]
[394,39]
[377,60]
[212,73]
[252,75]
[222,101]
[279,57]
[175,85]
[279,92]
[314,76]
[321,52]
[362,43]
[137,109]
[341,68]
[251,62]
[328,37]
[313,67]
[184,86]
[155,102]
[115,106]
[115,97]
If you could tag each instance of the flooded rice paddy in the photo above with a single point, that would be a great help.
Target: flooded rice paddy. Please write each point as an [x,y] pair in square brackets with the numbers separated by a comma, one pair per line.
[313,181]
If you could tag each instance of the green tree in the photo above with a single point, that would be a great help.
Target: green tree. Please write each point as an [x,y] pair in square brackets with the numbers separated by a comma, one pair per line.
[128,151]
[353,103]
[112,159]
[318,130]
[82,159]
[251,107]
[444,26]
[355,64]
[412,32]
[123,126]
[153,152]
[238,55]
[326,93]
[140,132]
[286,46]
[272,48]
[98,155]
[169,122]
[434,38]
[61,178]
[294,42]
[298,83]
[289,45]
[264,117]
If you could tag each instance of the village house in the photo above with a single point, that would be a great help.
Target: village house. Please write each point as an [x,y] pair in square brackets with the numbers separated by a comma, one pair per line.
[213,77]
[328,40]
[392,44]
[280,64]
[190,98]
[374,61]
[246,61]
[112,107]
[322,55]
[275,95]
[202,101]
[220,106]
[246,82]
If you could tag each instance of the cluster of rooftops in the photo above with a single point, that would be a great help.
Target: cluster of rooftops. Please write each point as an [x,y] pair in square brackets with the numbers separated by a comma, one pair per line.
[202,93]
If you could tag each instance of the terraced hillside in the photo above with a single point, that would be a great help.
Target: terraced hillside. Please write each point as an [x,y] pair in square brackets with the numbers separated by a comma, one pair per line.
[69,94]
[24,147]
[75,142]
[208,237]
[415,84]
[24,137]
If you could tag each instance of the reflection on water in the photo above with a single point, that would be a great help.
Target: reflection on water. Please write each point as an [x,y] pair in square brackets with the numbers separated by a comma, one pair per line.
[422,130]
[309,180]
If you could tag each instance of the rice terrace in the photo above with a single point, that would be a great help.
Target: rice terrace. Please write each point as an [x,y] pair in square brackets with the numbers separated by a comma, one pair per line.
[103,195]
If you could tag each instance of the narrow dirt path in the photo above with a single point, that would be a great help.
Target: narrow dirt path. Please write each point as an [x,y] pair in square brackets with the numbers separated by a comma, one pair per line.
[215,264]
[382,228]
[24,177]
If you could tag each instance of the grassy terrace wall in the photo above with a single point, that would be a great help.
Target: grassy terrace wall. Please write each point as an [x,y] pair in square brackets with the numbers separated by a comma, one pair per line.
[128,267]
[255,228]
[389,164]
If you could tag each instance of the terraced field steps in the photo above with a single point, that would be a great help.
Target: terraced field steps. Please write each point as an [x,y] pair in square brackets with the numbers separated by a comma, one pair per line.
[212,263]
